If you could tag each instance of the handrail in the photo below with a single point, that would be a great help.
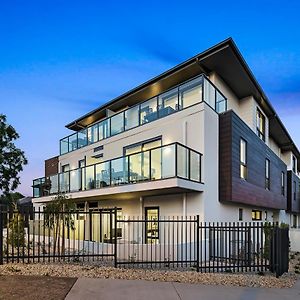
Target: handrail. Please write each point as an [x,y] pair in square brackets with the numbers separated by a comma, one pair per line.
[41,180]
[138,105]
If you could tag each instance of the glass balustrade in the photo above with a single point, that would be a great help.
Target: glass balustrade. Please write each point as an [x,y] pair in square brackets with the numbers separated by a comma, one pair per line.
[183,96]
[173,160]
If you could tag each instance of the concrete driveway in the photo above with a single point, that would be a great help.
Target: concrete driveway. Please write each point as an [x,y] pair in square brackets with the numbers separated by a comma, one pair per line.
[111,289]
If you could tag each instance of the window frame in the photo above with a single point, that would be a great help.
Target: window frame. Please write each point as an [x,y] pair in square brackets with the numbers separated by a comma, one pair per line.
[260,125]
[244,164]
[147,238]
[256,217]
[267,174]
[282,183]
[241,214]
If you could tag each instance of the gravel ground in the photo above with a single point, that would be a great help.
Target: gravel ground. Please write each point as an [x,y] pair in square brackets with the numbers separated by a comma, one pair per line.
[77,270]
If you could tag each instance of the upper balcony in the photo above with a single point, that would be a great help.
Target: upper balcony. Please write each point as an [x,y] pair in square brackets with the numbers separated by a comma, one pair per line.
[189,93]
[172,161]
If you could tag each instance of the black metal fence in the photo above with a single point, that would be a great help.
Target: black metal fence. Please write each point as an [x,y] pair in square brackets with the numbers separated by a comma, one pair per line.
[103,236]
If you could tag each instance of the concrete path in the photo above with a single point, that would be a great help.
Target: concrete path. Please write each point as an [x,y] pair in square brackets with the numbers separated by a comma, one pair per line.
[111,289]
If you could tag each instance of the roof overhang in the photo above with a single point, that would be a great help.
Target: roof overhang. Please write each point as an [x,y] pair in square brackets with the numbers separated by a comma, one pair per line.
[226,60]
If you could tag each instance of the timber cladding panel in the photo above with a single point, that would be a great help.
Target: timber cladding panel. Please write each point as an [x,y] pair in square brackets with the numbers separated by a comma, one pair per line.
[251,191]
[51,166]
[293,182]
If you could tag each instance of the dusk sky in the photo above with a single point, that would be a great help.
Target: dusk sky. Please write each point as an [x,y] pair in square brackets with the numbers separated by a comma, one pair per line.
[61,59]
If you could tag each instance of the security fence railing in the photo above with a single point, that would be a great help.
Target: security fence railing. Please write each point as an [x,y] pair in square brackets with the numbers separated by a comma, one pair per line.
[103,236]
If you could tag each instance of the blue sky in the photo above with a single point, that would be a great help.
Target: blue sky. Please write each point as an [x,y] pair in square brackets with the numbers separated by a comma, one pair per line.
[60,59]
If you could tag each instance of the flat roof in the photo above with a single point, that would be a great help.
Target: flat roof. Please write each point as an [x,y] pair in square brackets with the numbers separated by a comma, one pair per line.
[226,60]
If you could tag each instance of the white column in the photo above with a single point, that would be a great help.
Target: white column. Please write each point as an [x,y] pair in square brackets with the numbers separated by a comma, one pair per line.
[141,207]
[184,133]
[184,205]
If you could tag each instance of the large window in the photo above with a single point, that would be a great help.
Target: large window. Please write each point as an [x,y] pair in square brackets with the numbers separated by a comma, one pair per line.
[282,183]
[191,93]
[139,162]
[256,215]
[117,123]
[260,125]
[294,190]
[148,111]
[267,174]
[168,103]
[243,159]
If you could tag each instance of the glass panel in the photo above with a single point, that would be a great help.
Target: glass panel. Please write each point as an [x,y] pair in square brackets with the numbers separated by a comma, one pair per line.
[64,146]
[119,171]
[132,117]
[168,103]
[182,162]
[73,142]
[82,138]
[53,184]
[103,175]
[209,93]
[75,180]
[195,165]
[191,93]
[168,161]
[220,103]
[64,182]
[156,164]
[145,165]
[117,123]
[148,111]
[135,167]
[89,178]
[104,129]
[93,134]
[38,185]
[243,151]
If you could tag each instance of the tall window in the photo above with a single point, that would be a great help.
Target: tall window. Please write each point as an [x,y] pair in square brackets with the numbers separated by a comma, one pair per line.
[294,164]
[282,184]
[243,159]
[267,175]
[260,125]
[294,192]
[152,228]
[240,214]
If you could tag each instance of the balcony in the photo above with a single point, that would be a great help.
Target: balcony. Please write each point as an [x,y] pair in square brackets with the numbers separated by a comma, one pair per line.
[165,162]
[189,93]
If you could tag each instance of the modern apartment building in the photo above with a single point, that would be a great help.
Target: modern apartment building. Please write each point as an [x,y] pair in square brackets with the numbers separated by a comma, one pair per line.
[201,138]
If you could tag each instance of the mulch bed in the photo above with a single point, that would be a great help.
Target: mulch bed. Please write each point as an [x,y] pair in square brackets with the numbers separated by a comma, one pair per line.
[34,287]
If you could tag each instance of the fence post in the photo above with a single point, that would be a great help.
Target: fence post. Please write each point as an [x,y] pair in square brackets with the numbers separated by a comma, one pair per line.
[116,238]
[1,236]
[198,242]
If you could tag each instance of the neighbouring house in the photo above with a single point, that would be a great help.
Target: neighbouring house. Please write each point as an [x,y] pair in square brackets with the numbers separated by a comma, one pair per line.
[200,139]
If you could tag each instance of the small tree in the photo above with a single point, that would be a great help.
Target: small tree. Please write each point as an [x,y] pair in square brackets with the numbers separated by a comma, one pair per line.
[58,213]
[16,235]
[12,159]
